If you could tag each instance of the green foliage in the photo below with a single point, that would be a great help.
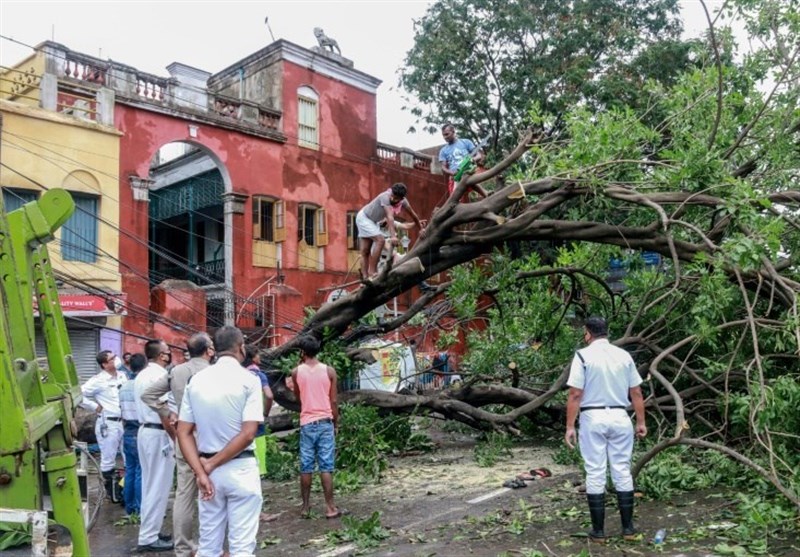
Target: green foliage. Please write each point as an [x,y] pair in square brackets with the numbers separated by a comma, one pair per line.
[699,165]
[481,63]
[12,535]
[127,520]
[759,519]
[281,464]
[360,446]
[365,439]
[760,514]
[269,541]
[566,456]
[333,353]
[492,447]
[673,471]
[365,534]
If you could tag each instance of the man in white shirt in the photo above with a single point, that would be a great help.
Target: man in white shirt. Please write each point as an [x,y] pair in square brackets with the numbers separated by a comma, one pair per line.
[223,405]
[601,379]
[101,394]
[201,351]
[156,454]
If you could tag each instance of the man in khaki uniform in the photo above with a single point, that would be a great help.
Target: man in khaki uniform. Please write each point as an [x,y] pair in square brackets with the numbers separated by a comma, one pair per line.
[201,351]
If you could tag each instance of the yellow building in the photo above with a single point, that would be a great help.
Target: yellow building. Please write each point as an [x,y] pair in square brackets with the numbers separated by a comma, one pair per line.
[43,149]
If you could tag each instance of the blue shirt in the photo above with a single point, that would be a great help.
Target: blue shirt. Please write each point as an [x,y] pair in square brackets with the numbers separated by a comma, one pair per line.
[453,153]
[127,403]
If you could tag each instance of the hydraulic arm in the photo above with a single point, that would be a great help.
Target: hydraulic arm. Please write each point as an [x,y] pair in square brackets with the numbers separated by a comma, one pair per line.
[37,399]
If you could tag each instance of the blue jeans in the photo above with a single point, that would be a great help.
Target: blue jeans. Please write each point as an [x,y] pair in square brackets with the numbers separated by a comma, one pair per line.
[132,493]
[317,442]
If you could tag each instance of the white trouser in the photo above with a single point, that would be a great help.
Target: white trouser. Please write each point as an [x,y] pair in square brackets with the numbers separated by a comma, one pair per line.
[606,436]
[109,439]
[236,505]
[158,465]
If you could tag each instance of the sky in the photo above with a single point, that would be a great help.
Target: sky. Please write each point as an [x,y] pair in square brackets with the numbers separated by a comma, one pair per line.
[211,35]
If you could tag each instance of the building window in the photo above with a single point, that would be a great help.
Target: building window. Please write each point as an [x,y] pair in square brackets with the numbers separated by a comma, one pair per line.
[307,118]
[79,234]
[352,230]
[312,225]
[268,219]
[14,198]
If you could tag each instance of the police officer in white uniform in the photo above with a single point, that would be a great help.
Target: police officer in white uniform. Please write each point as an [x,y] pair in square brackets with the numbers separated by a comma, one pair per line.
[601,379]
[101,394]
[184,507]
[223,405]
[156,454]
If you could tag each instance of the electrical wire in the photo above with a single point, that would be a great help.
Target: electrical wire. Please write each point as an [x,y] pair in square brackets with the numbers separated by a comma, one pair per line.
[175,259]
[200,106]
[150,245]
[143,311]
[158,220]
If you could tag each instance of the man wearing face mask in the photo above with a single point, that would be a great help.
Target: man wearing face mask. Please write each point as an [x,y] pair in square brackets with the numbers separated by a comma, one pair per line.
[156,435]
[101,394]
[173,383]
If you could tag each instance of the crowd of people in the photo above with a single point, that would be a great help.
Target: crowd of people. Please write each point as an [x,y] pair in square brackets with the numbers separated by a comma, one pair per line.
[205,417]
[202,418]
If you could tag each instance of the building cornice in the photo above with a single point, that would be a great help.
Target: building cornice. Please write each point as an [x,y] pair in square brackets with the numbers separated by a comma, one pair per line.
[55,117]
[203,118]
[321,63]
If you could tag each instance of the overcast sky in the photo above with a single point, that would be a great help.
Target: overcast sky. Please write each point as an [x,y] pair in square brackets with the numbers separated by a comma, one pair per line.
[211,35]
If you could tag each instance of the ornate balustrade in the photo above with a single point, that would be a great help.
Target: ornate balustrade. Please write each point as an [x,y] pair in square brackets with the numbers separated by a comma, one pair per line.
[84,68]
[388,154]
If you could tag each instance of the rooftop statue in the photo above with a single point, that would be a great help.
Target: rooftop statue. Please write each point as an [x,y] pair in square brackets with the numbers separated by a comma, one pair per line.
[326,42]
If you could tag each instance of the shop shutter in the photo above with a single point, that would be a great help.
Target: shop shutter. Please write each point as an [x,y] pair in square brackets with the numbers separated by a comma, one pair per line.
[85,345]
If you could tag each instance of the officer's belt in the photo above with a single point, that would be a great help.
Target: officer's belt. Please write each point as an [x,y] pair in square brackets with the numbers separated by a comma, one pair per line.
[153,426]
[243,454]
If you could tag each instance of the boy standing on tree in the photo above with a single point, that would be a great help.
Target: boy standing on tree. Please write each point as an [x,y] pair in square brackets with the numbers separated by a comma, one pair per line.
[314,385]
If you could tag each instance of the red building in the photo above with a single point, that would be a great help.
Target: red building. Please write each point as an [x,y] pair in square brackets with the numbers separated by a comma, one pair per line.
[244,183]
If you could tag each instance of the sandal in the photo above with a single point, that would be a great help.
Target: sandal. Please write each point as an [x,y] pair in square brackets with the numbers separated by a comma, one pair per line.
[340,513]
[535,474]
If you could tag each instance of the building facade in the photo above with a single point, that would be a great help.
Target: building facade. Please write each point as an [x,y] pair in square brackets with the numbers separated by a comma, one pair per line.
[237,191]
[42,149]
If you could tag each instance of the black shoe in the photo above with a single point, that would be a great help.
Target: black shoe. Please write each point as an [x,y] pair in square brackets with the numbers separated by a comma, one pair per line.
[165,537]
[154,547]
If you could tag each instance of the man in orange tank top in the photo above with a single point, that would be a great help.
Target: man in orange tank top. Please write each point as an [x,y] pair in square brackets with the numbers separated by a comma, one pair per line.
[314,385]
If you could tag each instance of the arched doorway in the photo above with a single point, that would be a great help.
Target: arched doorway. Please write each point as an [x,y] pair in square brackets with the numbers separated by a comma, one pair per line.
[189,233]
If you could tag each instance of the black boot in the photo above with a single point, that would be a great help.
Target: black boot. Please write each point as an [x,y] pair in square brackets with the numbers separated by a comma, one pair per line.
[108,482]
[597,510]
[111,484]
[625,500]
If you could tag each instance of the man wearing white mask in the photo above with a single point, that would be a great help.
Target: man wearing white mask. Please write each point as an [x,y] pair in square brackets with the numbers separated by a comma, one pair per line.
[101,394]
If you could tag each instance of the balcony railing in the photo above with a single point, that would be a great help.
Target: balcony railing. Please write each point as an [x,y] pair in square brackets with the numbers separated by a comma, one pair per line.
[389,154]
[202,273]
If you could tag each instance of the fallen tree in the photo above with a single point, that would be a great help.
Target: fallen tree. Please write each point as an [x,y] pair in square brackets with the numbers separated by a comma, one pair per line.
[712,189]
